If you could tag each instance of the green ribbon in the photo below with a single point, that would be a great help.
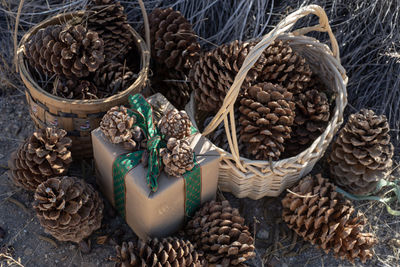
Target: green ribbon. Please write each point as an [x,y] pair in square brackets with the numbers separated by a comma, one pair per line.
[124,163]
[394,188]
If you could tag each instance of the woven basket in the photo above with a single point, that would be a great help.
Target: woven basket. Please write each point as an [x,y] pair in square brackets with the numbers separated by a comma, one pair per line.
[254,178]
[77,117]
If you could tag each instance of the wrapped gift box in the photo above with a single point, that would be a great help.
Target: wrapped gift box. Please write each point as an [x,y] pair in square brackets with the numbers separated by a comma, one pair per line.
[160,213]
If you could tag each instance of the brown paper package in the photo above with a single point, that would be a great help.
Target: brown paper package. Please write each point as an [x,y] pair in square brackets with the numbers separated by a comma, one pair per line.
[161,213]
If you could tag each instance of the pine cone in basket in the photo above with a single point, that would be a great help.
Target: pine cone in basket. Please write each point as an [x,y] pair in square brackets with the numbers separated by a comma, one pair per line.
[285,67]
[68,208]
[43,155]
[312,117]
[114,77]
[177,157]
[213,75]
[362,153]
[75,89]
[325,218]
[69,51]
[170,251]
[267,114]
[174,85]
[219,231]
[108,19]
[173,41]
[175,123]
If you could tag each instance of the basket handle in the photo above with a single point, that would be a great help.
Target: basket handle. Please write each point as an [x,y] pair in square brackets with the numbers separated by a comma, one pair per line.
[146,24]
[286,24]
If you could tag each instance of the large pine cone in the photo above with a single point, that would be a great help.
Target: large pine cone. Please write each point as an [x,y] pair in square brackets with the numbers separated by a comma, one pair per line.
[75,89]
[68,208]
[362,153]
[69,51]
[174,43]
[312,117]
[219,231]
[108,19]
[178,157]
[116,125]
[214,73]
[169,251]
[267,114]
[175,124]
[113,77]
[285,67]
[324,217]
[43,155]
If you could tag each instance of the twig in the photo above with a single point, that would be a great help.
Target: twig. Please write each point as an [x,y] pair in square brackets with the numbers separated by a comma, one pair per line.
[21,3]
[301,196]
[48,240]
[2,255]
[18,203]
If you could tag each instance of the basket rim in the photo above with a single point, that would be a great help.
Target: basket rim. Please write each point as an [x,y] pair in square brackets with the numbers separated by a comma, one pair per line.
[334,120]
[27,78]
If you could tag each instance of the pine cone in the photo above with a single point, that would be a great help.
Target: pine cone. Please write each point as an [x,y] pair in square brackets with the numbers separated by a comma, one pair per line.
[69,51]
[117,124]
[175,124]
[108,19]
[312,117]
[68,208]
[169,251]
[213,75]
[267,114]
[362,153]
[285,67]
[326,219]
[219,231]
[174,85]
[75,89]
[43,155]
[114,77]
[138,140]
[173,41]
[177,157]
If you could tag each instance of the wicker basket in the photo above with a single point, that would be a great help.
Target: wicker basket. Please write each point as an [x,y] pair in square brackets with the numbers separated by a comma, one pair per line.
[254,178]
[77,117]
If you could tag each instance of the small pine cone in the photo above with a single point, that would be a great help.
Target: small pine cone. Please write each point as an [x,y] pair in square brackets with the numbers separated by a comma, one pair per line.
[267,114]
[325,218]
[362,153]
[214,73]
[175,124]
[108,19]
[68,208]
[75,89]
[43,155]
[312,117]
[177,157]
[116,125]
[219,231]
[126,255]
[114,77]
[138,140]
[173,41]
[285,67]
[174,85]
[69,51]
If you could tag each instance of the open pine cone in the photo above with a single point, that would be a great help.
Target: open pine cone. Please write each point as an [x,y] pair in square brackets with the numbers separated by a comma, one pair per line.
[69,51]
[213,75]
[169,251]
[68,208]
[43,155]
[219,231]
[116,125]
[174,43]
[108,19]
[178,157]
[362,153]
[175,124]
[325,218]
[267,114]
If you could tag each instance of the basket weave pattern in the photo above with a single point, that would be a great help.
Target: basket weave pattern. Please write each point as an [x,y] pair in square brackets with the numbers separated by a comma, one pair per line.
[254,178]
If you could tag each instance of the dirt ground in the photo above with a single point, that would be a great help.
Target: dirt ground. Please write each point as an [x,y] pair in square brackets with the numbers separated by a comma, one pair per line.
[24,243]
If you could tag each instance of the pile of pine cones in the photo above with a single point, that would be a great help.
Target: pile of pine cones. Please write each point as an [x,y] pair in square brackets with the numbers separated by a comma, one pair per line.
[90,58]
